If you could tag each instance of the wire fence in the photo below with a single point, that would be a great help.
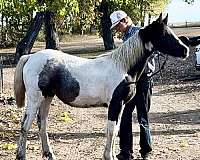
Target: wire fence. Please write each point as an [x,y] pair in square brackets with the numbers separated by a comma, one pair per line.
[184,24]
[6,61]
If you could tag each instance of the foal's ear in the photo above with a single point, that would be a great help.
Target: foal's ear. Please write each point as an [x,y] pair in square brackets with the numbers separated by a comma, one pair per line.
[159,20]
[165,20]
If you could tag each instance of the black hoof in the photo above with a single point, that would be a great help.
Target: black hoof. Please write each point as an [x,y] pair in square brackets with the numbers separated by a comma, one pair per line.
[48,155]
[20,157]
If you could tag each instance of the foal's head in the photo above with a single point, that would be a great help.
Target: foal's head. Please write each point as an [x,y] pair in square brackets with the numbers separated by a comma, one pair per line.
[159,37]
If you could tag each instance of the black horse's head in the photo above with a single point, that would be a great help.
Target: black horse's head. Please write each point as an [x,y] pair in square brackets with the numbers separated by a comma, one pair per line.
[159,37]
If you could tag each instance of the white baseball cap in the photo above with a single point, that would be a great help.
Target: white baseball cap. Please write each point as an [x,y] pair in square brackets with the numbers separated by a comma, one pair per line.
[116,17]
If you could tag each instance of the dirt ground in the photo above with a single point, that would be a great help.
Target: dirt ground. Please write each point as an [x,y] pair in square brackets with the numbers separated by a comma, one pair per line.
[79,133]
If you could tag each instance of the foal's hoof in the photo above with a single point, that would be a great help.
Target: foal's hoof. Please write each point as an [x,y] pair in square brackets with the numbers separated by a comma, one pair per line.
[49,156]
[20,156]
[109,157]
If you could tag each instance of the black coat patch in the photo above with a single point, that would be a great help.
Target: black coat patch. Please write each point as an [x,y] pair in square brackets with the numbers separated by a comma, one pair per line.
[55,79]
[122,94]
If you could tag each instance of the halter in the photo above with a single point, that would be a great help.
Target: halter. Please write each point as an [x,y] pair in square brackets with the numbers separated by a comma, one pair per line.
[161,67]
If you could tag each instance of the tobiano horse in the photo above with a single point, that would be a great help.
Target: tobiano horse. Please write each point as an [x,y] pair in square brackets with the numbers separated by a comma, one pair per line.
[87,82]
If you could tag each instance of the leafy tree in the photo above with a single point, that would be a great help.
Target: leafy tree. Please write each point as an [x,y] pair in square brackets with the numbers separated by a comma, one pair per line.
[26,44]
[71,16]
[15,15]
[139,9]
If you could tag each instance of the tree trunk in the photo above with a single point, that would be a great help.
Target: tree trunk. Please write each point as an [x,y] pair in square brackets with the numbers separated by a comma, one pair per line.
[106,24]
[26,44]
[142,12]
[51,37]
[2,34]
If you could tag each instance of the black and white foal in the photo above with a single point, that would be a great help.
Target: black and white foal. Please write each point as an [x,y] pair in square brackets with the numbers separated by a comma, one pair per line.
[81,82]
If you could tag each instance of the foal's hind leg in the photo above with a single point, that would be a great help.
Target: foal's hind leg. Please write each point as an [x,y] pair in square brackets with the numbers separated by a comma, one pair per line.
[42,118]
[33,104]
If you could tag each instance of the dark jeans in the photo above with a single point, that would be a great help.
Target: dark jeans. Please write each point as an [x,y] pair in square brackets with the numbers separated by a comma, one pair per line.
[142,102]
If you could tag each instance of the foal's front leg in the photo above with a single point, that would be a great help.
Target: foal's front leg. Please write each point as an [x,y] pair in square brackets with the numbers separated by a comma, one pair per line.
[42,119]
[112,131]
[123,93]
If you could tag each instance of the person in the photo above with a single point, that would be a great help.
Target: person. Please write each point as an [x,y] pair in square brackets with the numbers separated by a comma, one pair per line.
[142,100]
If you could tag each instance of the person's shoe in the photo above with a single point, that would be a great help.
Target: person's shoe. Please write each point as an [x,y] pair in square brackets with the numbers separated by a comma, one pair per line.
[123,156]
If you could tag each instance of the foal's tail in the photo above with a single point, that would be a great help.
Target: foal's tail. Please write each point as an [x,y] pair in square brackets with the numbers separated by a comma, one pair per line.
[19,87]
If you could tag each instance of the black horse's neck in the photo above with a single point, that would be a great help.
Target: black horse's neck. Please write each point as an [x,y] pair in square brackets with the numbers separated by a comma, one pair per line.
[138,68]
[146,38]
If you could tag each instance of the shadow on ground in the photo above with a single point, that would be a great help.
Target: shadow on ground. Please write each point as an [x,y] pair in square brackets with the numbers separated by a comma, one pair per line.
[180,117]
[184,117]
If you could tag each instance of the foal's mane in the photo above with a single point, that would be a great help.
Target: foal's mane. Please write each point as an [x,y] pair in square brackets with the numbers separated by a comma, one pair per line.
[128,53]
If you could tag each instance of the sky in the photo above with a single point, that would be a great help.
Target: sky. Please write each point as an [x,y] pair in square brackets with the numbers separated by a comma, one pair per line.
[180,11]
